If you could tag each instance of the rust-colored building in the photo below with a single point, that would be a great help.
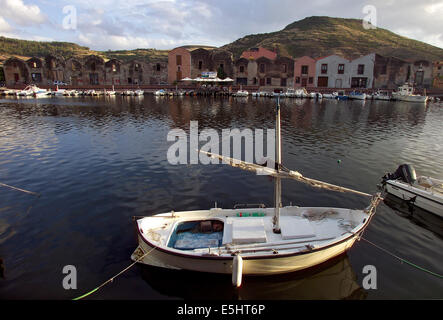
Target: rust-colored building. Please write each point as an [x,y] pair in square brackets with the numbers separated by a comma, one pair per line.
[265,68]
[192,61]
[304,72]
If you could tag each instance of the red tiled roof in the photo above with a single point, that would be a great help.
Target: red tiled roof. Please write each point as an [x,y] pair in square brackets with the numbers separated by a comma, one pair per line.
[261,52]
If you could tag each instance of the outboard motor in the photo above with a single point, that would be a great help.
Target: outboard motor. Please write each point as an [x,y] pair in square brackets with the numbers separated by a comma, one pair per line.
[404,172]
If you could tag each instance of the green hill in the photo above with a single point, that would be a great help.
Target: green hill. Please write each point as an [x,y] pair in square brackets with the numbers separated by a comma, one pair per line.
[320,36]
[26,49]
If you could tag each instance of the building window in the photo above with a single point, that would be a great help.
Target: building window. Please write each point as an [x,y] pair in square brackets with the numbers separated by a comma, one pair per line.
[341,68]
[324,68]
[34,64]
[262,68]
[297,79]
[200,65]
[284,68]
[255,81]
[268,81]
[93,66]
[114,68]
[361,69]
[358,82]
[221,66]
[158,67]
[178,69]
[136,67]
[36,77]
[311,80]
[129,80]
[242,69]
[178,59]
[283,82]
[304,69]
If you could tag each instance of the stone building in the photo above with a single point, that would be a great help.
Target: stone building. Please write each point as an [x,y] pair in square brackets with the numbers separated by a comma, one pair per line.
[84,71]
[269,71]
[437,75]
[391,72]
[16,71]
[191,62]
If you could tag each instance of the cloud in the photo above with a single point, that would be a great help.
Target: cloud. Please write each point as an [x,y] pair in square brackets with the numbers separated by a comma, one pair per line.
[129,24]
[4,25]
[20,13]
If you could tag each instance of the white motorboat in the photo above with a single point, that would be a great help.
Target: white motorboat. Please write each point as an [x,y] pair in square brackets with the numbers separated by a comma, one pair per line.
[423,192]
[405,93]
[241,93]
[356,95]
[138,92]
[290,93]
[255,94]
[382,95]
[330,95]
[254,240]
[160,92]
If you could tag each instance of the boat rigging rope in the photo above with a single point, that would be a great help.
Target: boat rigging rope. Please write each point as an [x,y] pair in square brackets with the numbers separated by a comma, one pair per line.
[404,260]
[112,279]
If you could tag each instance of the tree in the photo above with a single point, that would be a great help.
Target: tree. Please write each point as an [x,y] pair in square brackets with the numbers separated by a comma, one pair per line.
[221,73]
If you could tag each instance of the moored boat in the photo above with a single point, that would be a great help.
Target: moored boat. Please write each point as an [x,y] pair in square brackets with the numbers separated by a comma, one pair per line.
[356,95]
[252,241]
[423,192]
[406,93]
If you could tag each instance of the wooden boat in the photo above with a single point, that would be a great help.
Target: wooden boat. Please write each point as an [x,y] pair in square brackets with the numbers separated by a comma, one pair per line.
[253,240]
[423,192]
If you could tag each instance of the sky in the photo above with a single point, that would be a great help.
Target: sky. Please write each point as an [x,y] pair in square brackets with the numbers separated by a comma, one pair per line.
[166,24]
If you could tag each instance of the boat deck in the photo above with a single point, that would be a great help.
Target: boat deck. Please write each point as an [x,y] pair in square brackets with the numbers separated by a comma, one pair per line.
[250,231]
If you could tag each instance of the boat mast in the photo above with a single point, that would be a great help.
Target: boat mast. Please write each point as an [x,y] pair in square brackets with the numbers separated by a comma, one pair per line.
[277,181]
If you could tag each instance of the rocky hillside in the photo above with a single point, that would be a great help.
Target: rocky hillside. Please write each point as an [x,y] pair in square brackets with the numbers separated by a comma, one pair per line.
[320,36]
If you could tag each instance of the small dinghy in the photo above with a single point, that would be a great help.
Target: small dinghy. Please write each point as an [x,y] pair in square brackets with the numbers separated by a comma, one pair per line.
[252,240]
[423,192]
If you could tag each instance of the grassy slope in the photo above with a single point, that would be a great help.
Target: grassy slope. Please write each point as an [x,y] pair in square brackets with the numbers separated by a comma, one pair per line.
[320,36]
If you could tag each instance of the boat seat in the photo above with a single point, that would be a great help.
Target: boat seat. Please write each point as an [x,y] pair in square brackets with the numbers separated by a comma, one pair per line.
[296,228]
[248,230]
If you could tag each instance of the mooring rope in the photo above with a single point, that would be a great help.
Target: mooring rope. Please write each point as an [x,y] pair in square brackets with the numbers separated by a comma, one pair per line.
[404,260]
[18,189]
[112,279]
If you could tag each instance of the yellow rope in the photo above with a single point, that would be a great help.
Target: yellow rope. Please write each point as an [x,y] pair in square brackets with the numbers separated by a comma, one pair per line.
[112,279]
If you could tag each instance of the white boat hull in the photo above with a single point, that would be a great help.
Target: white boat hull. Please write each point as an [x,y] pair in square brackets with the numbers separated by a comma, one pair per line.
[423,199]
[274,256]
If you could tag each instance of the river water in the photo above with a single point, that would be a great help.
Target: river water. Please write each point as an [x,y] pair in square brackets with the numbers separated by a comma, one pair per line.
[97,162]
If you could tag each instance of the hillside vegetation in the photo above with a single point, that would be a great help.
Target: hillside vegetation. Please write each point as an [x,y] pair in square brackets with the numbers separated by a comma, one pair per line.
[320,36]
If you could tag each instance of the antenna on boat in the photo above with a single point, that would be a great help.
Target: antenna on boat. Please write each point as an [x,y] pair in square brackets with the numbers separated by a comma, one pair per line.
[277,182]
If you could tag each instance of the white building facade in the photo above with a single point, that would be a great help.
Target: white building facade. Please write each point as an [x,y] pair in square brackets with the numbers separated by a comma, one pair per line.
[362,72]
[332,72]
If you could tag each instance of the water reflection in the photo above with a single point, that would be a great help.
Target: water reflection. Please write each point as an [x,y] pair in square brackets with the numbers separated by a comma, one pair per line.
[415,214]
[333,280]
[98,161]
